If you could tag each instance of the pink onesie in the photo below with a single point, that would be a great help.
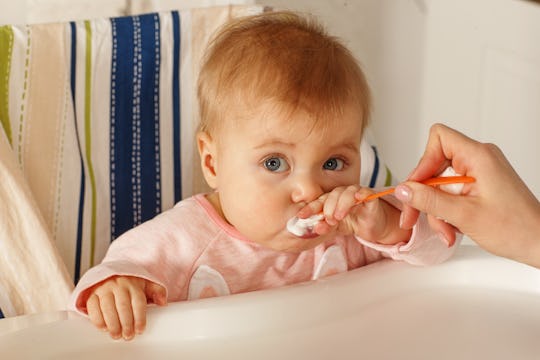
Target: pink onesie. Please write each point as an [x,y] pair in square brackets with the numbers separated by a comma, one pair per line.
[194,253]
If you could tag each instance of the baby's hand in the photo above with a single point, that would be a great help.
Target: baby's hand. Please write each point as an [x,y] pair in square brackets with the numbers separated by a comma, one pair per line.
[375,221]
[118,305]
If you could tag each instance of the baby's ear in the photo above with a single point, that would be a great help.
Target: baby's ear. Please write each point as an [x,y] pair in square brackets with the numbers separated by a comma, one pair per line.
[207,151]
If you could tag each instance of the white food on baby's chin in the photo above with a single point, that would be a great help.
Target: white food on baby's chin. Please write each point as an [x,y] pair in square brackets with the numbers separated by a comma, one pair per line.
[455,189]
[299,227]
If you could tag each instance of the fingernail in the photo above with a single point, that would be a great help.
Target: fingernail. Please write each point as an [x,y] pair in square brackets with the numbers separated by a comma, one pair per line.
[401,218]
[403,193]
[444,239]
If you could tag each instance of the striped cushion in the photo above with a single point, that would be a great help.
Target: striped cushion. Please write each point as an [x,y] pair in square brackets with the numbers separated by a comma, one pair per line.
[101,116]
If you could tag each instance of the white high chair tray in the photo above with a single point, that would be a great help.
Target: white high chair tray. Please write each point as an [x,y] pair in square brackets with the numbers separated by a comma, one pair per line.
[475,306]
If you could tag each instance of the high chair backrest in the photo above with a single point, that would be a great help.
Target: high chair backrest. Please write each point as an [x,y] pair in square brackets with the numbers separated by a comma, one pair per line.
[100,117]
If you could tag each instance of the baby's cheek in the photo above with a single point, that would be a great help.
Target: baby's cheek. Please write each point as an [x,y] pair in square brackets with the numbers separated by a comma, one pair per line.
[257,215]
[272,220]
[264,215]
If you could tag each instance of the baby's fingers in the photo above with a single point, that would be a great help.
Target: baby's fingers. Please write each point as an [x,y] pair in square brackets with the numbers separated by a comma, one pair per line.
[94,312]
[110,315]
[314,207]
[339,203]
[138,302]
[123,300]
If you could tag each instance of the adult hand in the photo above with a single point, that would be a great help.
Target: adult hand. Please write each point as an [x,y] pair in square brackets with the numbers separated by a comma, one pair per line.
[497,211]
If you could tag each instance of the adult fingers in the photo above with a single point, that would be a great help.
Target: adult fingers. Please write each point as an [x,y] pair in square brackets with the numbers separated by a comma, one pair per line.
[432,201]
[445,147]
[408,217]
[446,232]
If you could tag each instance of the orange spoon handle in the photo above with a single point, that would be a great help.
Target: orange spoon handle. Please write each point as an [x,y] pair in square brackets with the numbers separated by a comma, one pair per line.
[442,180]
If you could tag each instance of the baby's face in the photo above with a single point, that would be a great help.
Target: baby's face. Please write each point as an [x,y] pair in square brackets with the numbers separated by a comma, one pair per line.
[268,168]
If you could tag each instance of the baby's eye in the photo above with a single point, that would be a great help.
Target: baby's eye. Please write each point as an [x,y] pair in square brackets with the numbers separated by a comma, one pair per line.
[276,164]
[334,164]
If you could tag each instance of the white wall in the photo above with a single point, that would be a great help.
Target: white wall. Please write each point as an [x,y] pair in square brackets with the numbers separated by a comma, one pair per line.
[40,11]
[473,64]
[43,11]
[482,75]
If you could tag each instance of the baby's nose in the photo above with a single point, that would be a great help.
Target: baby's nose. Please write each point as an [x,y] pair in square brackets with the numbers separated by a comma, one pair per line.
[306,188]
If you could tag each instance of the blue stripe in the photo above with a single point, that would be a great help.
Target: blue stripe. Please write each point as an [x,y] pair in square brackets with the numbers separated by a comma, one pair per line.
[373,179]
[135,155]
[73,75]
[121,143]
[150,182]
[176,108]
[136,170]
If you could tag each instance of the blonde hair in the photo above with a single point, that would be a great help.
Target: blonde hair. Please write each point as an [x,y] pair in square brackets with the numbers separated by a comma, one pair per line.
[283,57]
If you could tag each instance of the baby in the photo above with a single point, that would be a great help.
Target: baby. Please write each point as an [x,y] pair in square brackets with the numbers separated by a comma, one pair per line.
[283,107]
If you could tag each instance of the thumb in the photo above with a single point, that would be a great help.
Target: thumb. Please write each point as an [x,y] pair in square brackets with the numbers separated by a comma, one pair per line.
[430,200]
[156,292]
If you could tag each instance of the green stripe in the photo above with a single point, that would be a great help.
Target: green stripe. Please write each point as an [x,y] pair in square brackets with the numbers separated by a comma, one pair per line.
[88,137]
[6,49]
[388,179]
[24,91]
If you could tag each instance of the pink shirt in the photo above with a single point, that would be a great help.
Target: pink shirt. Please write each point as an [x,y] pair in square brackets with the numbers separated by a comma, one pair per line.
[194,253]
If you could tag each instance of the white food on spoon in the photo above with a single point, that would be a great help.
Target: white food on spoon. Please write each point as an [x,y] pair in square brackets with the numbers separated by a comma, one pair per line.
[301,227]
